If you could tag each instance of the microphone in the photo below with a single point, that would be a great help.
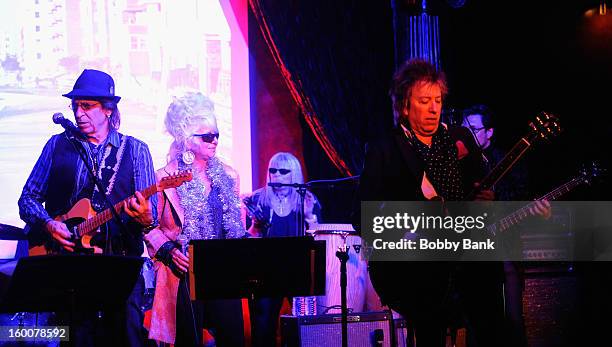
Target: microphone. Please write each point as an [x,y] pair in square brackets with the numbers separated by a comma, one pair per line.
[184,243]
[58,118]
[276,185]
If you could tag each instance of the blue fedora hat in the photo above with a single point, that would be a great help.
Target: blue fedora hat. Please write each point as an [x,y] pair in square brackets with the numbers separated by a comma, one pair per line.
[93,84]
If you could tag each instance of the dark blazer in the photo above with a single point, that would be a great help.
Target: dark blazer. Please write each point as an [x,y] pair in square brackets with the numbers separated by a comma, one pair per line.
[393,170]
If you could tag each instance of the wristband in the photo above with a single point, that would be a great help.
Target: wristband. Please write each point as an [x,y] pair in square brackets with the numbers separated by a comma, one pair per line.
[148,228]
[164,253]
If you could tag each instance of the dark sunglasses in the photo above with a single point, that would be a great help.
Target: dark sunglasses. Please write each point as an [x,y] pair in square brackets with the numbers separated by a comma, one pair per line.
[208,137]
[281,171]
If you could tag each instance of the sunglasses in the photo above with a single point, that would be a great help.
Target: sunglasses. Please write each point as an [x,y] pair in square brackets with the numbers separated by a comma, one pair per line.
[209,138]
[281,171]
[85,106]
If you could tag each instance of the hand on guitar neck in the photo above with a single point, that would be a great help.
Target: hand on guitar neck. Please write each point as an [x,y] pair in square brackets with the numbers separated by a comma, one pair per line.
[75,229]
[541,208]
[139,209]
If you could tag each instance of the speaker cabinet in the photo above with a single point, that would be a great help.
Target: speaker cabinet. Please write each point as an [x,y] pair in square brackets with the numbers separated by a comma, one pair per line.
[365,329]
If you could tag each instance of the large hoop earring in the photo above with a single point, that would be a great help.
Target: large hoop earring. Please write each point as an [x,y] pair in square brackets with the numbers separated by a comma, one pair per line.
[188,157]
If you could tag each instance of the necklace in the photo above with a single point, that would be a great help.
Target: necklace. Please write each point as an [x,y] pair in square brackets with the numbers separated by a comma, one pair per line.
[200,221]
[281,202]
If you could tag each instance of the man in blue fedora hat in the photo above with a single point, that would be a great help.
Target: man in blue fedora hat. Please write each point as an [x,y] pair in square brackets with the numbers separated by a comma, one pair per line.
[64,175]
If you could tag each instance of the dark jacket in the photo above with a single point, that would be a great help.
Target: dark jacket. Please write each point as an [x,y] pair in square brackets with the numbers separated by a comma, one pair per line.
[393,170]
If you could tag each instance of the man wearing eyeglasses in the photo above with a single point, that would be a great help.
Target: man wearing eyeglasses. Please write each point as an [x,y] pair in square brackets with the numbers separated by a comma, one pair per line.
[60,178]
[479,120]
[513,187]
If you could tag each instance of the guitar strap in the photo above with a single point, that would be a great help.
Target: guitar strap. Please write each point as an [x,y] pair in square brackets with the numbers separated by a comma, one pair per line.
[107,170]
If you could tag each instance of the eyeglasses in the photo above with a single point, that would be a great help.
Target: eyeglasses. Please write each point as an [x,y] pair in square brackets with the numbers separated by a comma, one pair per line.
[208,138]
[281,171]
[475,130]
[85,106]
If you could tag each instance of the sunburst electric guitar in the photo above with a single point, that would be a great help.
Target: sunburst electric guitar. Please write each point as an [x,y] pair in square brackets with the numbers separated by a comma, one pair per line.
[83,222]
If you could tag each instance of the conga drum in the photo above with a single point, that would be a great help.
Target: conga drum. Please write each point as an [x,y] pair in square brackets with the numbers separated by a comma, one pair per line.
[356,273]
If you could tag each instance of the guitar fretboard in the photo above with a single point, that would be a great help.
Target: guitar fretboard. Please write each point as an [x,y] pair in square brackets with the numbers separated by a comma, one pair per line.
[505,164]
[522,213]
[92,224]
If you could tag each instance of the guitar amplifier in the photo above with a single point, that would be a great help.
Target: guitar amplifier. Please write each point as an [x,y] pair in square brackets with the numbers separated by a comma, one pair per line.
[365,329]
[553,241]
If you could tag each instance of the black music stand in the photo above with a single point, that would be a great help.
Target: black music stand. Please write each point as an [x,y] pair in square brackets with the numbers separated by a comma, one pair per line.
[70,283]
[254,268]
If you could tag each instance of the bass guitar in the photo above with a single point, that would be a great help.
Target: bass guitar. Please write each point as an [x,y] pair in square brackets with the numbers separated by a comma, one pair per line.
[435,285]
[585,176]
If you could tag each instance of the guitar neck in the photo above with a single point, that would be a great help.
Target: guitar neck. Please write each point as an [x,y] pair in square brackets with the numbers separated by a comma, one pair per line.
[92,224]
[505,164]
[522,213]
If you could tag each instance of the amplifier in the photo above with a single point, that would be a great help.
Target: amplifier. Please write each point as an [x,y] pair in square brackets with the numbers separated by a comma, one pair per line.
[365,329]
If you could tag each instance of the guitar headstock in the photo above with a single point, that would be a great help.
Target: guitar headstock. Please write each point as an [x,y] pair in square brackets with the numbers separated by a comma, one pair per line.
[590,172]
[175,180]
[544,127]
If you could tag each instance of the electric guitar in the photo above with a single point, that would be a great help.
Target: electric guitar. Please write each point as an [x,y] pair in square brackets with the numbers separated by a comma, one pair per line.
[544,127]
[83,222]
[585,176]
[398,298]
[428,293]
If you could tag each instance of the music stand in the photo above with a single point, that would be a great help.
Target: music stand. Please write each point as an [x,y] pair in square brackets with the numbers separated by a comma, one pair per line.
[253,268]
[70,283]
[50,283]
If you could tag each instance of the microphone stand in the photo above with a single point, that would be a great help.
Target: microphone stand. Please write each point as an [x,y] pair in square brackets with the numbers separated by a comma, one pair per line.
[81,151]
[332,183]
[342,252]
[301,189]
[343,256]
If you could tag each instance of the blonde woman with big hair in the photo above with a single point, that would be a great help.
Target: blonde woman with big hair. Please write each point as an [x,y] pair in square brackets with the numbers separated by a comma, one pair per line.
[207,207]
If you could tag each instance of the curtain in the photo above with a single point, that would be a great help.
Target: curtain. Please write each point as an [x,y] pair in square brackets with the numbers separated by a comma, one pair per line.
[337,61]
